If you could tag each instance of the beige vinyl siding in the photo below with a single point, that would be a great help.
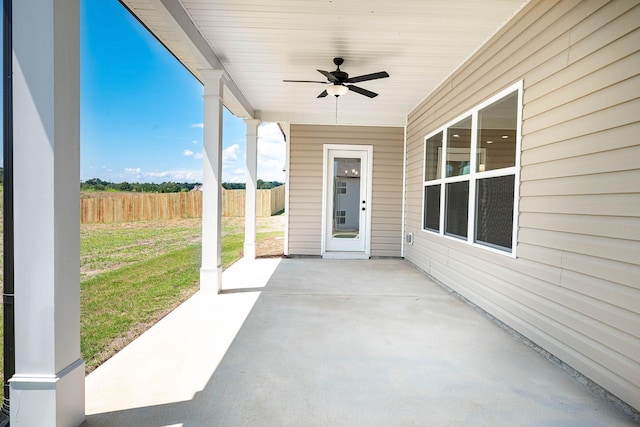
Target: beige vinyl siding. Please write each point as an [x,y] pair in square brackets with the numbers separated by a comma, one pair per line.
[305,185]
[574,286]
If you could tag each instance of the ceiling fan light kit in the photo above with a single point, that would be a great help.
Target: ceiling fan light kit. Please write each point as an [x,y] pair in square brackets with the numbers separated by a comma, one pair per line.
[337,90]
[340,83]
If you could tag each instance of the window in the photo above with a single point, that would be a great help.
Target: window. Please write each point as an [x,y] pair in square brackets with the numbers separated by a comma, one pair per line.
[457,209]
[494,211]
[432,208]
[471,174]
[459,148]
[341,217]
[341,187]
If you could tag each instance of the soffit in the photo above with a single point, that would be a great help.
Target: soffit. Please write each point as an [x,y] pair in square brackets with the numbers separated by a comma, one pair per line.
[261,42]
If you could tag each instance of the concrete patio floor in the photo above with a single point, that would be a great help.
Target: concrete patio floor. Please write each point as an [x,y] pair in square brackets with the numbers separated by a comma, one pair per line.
[334,343]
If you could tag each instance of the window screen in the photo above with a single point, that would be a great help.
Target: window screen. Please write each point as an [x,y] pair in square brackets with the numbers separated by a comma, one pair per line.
[494,211]
[457,209]
[432,207]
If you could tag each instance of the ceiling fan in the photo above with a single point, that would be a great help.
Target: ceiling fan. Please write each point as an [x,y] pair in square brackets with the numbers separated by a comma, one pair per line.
[341,82]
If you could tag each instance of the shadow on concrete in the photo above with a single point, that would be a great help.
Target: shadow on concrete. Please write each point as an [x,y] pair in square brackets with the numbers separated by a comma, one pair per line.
[368,343]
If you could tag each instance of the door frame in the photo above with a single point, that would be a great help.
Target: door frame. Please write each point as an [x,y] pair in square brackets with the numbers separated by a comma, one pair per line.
[327,185]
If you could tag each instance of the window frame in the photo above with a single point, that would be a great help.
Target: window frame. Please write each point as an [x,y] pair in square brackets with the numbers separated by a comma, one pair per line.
[474,176]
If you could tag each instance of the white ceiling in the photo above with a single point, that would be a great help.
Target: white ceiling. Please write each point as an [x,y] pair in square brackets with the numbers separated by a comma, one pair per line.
[261,42]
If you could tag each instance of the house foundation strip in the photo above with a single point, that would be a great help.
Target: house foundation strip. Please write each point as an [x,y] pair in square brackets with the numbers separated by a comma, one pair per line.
[47,388]
[251,188]
[211,270]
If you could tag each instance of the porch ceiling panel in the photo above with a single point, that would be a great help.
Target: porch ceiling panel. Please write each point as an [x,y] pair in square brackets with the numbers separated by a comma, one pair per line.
[262,42]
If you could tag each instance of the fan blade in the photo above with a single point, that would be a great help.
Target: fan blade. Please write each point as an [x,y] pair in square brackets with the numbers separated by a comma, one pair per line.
[328,75]
[365,77]
[362,91]
[305,81]
[323,94]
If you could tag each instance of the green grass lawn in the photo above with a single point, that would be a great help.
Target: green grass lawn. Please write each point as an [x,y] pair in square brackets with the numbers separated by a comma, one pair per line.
[133,274]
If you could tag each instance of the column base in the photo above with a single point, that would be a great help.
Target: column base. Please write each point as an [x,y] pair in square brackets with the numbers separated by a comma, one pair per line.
[211,280]
[250,250]
[49,400]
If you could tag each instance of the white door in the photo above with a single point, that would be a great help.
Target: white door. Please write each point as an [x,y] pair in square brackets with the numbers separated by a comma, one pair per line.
[347,195]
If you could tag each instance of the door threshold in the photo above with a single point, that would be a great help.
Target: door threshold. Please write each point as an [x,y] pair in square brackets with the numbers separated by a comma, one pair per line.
[345,255]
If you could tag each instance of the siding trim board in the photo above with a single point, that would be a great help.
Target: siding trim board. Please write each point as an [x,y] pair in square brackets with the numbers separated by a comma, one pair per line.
[573,287]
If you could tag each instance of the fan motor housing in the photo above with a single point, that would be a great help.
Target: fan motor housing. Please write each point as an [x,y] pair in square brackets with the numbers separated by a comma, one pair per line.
[340,75]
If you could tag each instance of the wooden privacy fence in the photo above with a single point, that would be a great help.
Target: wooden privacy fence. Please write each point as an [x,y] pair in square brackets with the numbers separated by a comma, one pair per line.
[140,207]
[268,202]
[161,206]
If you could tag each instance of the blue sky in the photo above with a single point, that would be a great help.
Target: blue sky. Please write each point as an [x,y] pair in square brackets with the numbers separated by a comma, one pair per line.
[141,110]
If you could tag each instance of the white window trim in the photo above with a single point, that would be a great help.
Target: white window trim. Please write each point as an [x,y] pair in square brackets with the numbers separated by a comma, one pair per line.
[474,176]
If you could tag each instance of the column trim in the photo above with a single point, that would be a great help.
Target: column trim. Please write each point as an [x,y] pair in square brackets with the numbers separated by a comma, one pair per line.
[58,398]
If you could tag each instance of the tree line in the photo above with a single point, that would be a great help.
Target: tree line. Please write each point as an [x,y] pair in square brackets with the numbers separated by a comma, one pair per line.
[261,185]
[96,184]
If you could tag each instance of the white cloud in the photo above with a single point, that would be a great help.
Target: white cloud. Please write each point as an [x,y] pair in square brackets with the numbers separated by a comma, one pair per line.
[189,153]
[234,175]
[231,168]
[195,142]
[132,170]
[198,125]
[271,153]
[178,175]
[270,131]
[271,157]
[230,154]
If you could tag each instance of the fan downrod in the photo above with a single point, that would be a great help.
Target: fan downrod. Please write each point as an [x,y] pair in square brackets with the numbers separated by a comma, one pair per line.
[338,62]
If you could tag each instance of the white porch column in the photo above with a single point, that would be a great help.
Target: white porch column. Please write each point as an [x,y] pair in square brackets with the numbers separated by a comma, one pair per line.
[211,270]
[250,193]
[48,386]
[286,129]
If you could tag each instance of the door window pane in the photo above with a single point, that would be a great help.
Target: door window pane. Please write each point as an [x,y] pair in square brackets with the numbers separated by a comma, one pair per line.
[346,198]
[497,134]
[433,156]
[457,209]
[459,148]
[432,207]
[494,211]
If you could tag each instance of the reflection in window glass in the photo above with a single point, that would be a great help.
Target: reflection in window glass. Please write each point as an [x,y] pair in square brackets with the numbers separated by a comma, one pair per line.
[494,211]
[497,133]
[457,209]
[487,138]
[459,148]
[346,197]
[432,207]
[432,157]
